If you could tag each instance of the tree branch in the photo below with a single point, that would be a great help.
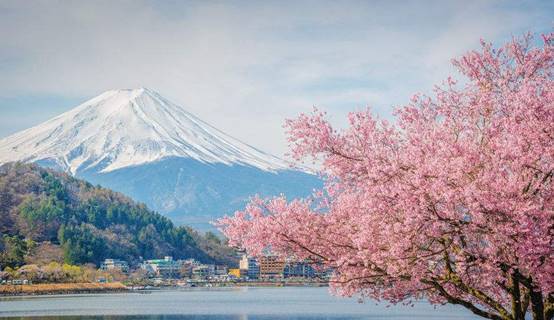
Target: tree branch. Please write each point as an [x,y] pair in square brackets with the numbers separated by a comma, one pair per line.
[451,299]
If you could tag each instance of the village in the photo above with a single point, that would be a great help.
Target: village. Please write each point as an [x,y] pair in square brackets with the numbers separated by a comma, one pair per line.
[116,275]
[166,271]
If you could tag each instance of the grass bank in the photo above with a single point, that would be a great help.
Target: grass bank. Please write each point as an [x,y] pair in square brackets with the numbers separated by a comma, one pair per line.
[60,288]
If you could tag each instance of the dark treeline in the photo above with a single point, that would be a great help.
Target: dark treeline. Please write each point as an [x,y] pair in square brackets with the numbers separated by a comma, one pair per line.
[88,223]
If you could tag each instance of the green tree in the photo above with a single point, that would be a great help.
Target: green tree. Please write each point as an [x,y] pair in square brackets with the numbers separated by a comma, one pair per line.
[81,244]
[13,251]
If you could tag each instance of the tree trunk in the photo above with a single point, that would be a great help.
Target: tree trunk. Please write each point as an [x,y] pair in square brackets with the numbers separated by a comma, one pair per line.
[537,306]
[517,310]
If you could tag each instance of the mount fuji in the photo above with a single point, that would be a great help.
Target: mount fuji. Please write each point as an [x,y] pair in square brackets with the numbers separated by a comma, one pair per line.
[139,143]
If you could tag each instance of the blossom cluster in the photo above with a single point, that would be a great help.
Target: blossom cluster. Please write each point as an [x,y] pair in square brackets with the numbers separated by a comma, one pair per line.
[451,202]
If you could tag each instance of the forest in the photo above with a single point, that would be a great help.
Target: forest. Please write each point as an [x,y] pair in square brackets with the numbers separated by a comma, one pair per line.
[51,216]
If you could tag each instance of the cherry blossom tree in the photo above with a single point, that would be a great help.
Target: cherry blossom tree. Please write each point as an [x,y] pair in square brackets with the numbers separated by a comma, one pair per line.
[452,202]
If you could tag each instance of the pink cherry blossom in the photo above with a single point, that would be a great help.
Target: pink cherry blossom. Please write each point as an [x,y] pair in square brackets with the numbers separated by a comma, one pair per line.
[453,202]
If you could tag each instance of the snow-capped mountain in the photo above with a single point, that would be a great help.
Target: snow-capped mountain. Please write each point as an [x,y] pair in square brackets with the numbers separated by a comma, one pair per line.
[139,143]
[122,128]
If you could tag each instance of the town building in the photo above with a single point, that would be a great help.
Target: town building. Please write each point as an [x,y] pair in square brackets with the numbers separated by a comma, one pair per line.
[243,263]
[202,272]
[249,267]
[235,273]
[187,266]
[271,267]
[299,270]
[221,270]
[115,265]
[164,268]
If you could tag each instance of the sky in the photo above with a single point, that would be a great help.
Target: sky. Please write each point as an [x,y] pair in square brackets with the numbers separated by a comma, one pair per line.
[243,66]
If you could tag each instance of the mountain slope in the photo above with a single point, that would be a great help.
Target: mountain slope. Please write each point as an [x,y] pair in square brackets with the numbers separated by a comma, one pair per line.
[89,223]
[194,193]
[137,142]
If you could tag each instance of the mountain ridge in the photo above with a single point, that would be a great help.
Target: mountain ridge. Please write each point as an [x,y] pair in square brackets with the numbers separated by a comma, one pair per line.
[138,143]
[126,127]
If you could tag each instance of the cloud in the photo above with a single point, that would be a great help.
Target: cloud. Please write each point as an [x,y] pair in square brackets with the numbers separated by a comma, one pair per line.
[244,66]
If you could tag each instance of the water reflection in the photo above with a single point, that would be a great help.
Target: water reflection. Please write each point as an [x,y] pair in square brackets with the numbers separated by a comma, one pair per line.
[189,317]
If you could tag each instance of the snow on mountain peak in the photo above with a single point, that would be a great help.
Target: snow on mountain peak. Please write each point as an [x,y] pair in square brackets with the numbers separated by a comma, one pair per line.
[128,127]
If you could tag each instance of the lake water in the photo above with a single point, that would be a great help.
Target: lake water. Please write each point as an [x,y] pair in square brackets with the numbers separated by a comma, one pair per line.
[218,304]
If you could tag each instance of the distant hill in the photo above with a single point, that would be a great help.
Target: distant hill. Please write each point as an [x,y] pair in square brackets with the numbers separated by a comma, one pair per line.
[137,142]
[88,223]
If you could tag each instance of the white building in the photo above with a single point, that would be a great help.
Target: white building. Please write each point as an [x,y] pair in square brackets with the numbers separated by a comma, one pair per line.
[115,265]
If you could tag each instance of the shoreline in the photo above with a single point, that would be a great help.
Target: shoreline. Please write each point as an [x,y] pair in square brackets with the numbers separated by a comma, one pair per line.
[45,289]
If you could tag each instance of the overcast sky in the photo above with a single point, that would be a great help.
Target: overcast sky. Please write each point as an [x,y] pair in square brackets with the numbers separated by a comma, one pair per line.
[243,66]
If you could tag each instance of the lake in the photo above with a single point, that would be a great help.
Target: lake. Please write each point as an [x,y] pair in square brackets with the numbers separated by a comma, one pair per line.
[218,304]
